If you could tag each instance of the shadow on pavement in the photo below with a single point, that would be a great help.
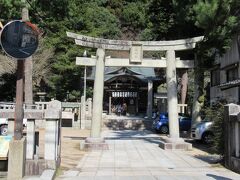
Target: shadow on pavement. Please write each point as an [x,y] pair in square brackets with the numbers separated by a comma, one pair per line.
[200,145]
[209,156]
[218,177]
[211,159]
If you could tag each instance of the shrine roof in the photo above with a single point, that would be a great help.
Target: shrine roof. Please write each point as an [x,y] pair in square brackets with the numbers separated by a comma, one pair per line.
[110,72]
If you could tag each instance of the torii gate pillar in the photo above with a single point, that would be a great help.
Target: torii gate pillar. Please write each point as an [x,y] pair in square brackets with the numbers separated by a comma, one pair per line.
[98,95]
[150,99]
[172,95]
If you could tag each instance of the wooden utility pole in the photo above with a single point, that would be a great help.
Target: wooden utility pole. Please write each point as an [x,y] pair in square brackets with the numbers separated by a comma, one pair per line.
[19,113]
[25,64]
[28,98]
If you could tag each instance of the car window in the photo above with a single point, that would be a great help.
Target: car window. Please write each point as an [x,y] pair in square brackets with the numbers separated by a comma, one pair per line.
[206,120]
[184,115]
[186,119]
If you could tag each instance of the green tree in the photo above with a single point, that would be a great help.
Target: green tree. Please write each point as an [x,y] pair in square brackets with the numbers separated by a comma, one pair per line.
[219,21]
[54,19]
[7,78]
[10,10]
[133,20]
[216,20]
[85,17]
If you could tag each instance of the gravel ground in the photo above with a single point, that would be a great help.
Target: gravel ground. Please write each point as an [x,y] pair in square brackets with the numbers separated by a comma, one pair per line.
[70,149]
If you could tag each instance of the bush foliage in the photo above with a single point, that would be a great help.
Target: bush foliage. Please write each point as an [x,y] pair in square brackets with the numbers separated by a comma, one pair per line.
[216,115]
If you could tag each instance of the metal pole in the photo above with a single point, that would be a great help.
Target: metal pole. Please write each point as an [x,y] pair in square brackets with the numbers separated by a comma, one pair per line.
[85,77]
[85,82]
[18,126]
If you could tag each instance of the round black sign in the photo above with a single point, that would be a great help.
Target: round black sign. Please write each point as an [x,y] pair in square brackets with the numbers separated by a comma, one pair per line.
[19,39]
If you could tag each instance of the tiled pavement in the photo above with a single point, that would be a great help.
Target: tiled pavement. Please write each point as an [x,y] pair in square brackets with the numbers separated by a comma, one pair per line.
[135,155]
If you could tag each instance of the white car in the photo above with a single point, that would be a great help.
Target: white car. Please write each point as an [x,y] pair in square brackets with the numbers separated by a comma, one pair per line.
[4,125]
[202,131]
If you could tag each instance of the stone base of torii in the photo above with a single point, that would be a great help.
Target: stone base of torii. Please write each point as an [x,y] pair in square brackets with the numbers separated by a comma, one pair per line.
[168,143]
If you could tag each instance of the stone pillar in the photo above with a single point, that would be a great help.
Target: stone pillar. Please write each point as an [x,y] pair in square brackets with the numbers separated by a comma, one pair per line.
[89,107]
[30,138]
[150,99]
[110,105]
[10,127]
[16,159]
[50,139]
[228,133]
[83,112]
[98,95]
[172,95]
[52,133]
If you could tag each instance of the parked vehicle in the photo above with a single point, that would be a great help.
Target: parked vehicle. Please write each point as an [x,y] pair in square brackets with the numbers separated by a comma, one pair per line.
[203,131]
[160,124]
[4,126]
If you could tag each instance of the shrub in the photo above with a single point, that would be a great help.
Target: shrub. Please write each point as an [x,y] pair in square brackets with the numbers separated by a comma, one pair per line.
[216,114]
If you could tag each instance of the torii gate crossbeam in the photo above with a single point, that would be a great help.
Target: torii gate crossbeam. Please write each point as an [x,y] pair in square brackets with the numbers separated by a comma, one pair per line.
[120,62]
[176,45]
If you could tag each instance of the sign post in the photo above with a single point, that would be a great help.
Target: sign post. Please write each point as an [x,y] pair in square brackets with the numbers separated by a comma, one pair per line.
[19,39]
[19,113]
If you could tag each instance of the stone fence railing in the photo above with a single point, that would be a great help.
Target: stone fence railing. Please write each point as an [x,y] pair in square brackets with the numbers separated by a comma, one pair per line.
[33,165]
[77,112]
[36,105]
[52,114]
[232,137]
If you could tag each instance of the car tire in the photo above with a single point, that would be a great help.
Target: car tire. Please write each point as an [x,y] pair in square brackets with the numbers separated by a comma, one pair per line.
[4,130]
[207,137]
[156,131]
[164,129]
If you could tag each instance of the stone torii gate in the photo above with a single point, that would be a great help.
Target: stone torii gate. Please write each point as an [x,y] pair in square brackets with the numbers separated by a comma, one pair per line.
[136,59]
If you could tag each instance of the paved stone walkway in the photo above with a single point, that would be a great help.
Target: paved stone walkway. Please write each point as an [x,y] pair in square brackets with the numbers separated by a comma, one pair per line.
[135,155]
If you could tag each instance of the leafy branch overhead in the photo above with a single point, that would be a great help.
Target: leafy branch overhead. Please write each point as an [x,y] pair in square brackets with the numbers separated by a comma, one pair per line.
[219,20]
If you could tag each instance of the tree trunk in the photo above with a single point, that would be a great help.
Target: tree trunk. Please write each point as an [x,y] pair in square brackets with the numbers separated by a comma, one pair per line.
[184,84]
[198,99]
